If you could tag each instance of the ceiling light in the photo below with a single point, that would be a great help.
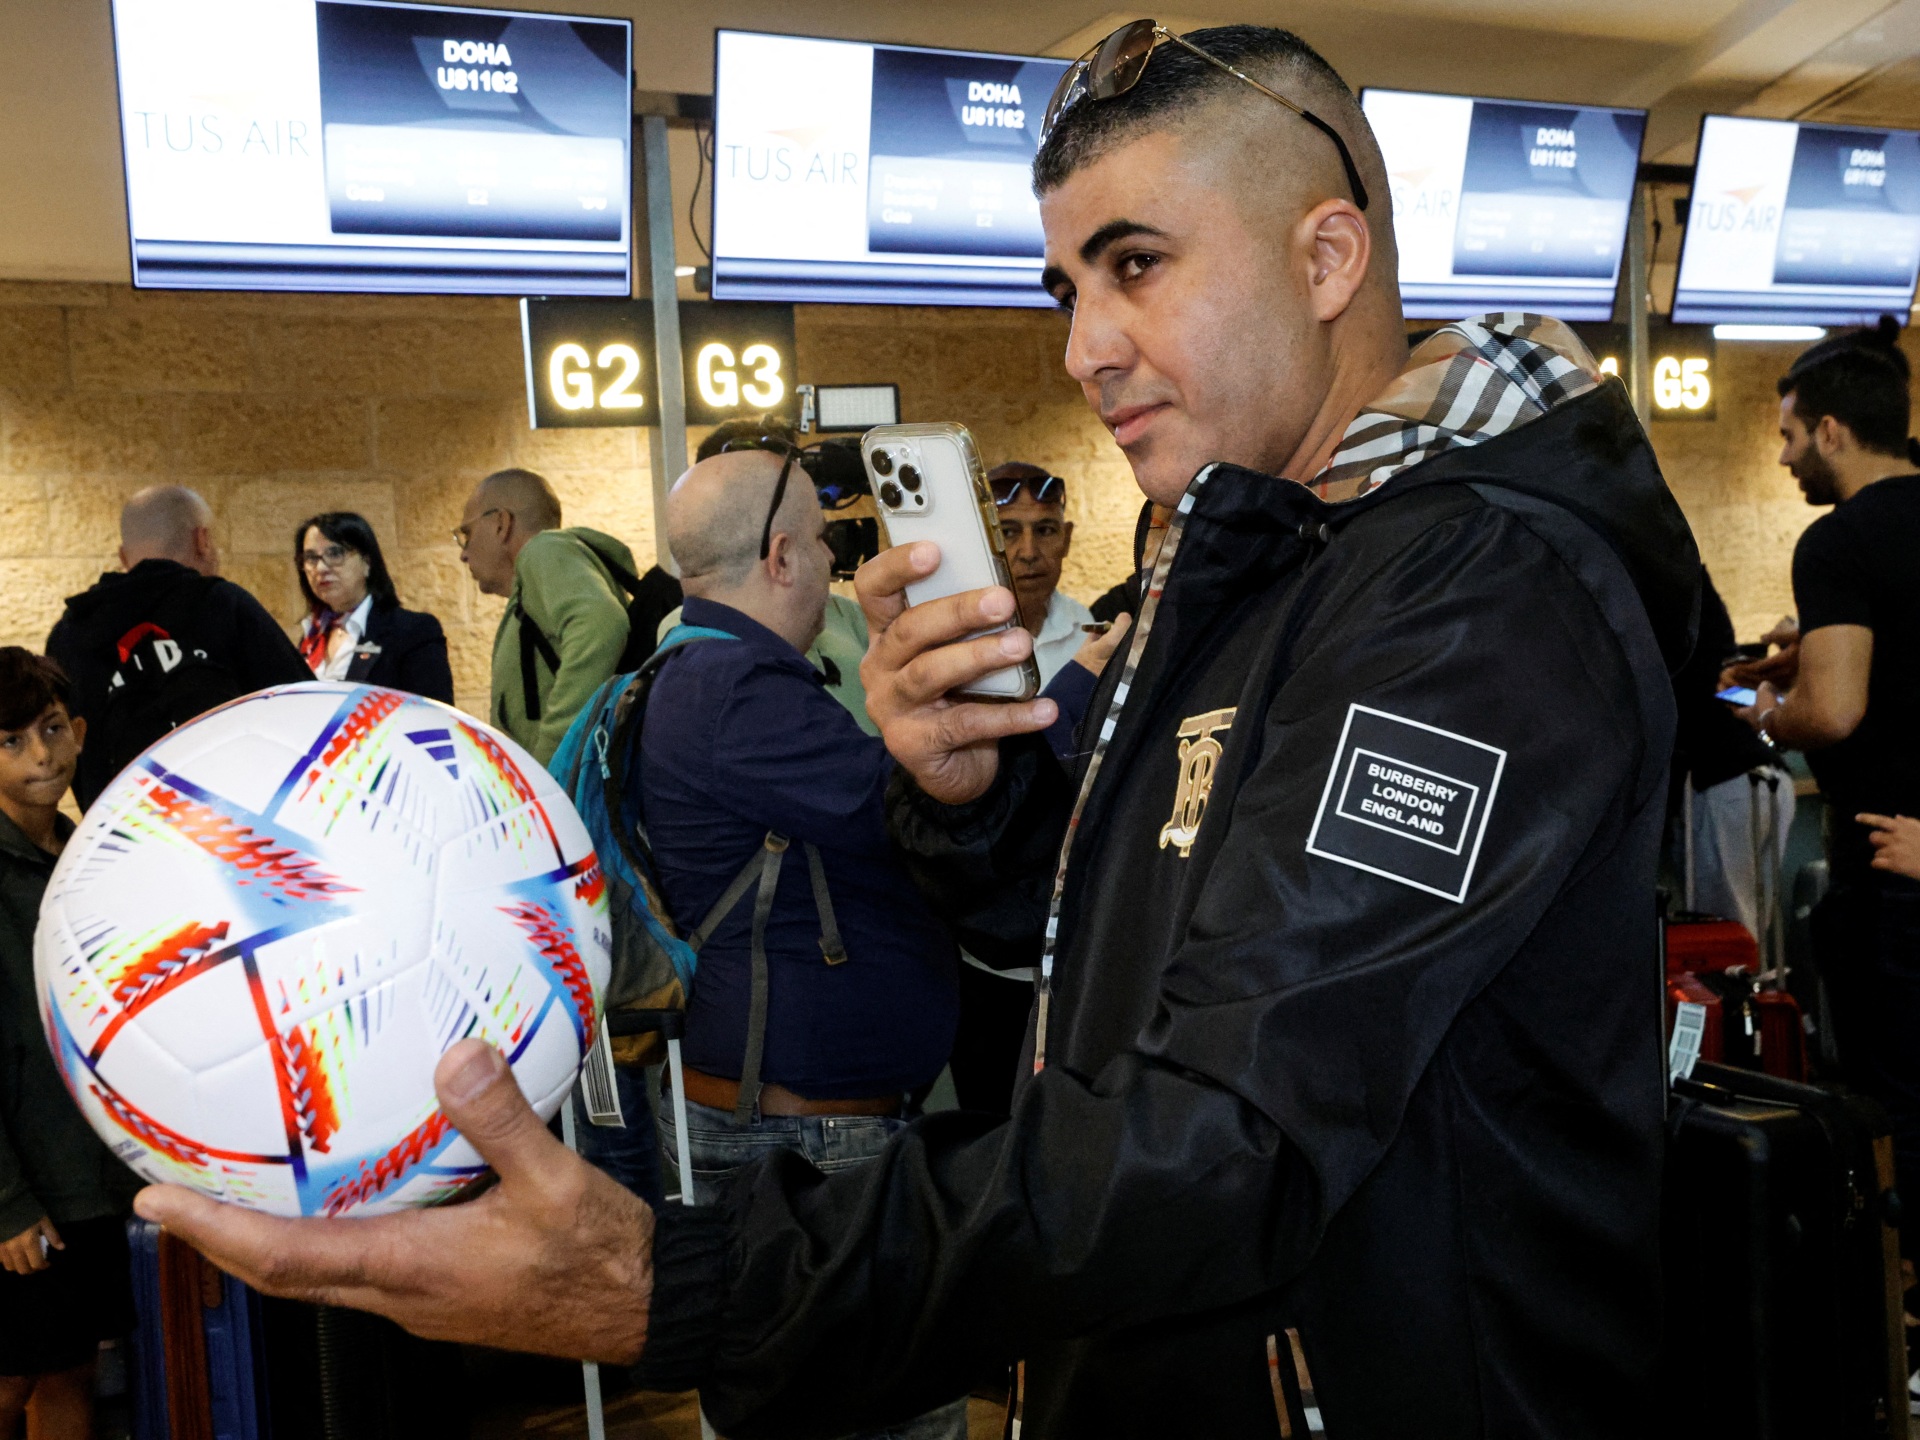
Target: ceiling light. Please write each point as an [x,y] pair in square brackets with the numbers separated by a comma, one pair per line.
[1768,332]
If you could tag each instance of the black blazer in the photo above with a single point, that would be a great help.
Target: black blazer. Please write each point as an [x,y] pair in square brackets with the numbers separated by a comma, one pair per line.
[404,650]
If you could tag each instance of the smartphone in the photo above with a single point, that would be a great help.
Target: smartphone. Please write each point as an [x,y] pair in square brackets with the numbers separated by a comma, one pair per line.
[1739,695]
[928,484]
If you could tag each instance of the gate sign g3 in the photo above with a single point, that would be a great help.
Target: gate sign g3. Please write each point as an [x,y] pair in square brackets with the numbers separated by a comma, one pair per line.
[591,362]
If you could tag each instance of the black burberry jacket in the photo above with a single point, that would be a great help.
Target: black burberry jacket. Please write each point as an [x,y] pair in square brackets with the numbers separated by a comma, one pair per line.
[1363,1041]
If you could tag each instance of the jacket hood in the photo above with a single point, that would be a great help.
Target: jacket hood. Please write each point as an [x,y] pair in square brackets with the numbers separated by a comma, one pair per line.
[602,543]
[1590,457]
[119,591]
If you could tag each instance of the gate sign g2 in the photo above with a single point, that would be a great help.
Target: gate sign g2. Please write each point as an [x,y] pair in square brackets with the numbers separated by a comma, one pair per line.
[591,362]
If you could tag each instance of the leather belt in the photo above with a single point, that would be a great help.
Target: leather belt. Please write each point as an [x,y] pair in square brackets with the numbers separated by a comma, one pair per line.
[719,1094]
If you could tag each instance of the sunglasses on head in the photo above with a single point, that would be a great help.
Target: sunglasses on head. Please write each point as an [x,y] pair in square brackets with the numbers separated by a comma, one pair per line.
[826,472]
[1115,66]
[1045,489]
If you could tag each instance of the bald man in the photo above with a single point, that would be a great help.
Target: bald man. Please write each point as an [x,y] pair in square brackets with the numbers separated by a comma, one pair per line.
[165,638]
[1348,1024]
[564,632]
[810,1026]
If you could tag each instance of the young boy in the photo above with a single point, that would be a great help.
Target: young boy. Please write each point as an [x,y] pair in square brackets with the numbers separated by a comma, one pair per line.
[64,1285]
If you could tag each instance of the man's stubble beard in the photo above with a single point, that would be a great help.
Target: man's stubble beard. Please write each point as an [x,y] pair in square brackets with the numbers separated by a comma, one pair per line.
[1817,479]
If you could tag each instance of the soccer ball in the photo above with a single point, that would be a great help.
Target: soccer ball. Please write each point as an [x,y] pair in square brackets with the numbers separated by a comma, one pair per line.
[269,928]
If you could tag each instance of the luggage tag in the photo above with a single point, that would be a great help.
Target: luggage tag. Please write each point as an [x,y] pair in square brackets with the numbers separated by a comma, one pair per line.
[1683,1050]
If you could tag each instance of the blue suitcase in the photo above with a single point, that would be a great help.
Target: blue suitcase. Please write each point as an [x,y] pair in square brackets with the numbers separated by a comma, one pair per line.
[198,1368]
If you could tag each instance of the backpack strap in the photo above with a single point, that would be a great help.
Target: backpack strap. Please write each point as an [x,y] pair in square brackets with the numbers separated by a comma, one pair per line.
[533,642]
[763,868]
[831,949]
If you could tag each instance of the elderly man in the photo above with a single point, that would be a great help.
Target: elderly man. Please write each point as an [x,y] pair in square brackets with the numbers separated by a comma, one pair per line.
[1346,1023]
[1033,522]
[564,630]
[165,638]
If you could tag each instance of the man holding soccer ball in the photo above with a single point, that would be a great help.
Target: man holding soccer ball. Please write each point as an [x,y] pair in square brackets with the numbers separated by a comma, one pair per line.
[1294,1067]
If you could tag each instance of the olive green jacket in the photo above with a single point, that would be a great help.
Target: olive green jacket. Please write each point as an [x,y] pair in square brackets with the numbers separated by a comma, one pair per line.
[560,585]
[51,1162]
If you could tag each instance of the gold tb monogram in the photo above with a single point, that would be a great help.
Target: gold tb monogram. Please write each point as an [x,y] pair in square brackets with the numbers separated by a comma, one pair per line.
[1198,753]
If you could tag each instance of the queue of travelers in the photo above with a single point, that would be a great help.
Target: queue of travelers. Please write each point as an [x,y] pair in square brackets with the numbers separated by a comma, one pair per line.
[736,752]
[1283,1066]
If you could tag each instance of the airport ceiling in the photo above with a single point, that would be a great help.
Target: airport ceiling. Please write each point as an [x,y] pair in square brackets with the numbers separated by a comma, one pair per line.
[1833,60]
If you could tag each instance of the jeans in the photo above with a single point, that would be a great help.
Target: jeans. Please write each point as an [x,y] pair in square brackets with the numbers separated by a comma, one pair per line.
[629,1155]
[718,1146]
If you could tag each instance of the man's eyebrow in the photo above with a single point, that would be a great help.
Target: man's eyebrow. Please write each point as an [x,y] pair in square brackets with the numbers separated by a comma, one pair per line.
[1112,233]
[1103,239]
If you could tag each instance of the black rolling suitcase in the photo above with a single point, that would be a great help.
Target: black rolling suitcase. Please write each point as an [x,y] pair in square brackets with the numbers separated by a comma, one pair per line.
[1782,1266]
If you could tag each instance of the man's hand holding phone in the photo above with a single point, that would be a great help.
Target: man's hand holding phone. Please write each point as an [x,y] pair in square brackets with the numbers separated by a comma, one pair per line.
[917,656]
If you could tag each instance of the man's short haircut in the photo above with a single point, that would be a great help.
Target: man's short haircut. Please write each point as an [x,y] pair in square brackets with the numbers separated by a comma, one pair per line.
[747,427]
[528,495]
[1177,82]
[161,519]
[1860,379]
[29,683]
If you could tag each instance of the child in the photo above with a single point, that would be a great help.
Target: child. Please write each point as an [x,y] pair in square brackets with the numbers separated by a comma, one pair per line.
[64,1283]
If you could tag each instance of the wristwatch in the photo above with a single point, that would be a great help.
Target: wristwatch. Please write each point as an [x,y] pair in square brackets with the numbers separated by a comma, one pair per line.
[1760,728]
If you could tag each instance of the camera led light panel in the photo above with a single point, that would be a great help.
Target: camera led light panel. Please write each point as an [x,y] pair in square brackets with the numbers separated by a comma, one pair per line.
[354,145]
[1506,204]
[1791,223]
[875,173]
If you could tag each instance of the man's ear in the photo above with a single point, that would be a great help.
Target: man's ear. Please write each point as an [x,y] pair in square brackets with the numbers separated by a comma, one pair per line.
[1339,247]
[1829,436]
[1066,536]
[79,725]
[779,561]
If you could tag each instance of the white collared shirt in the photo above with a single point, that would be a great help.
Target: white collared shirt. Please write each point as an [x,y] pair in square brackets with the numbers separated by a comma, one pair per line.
[1061,637]
[346,639]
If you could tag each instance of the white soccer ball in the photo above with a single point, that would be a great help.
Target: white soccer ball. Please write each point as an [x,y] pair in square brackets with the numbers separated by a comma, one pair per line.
[270,927]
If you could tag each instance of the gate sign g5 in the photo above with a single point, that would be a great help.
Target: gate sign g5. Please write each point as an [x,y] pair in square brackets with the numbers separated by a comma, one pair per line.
[591,362]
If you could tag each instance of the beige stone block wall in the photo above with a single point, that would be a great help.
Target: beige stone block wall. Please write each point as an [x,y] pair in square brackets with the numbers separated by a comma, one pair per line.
[277,406]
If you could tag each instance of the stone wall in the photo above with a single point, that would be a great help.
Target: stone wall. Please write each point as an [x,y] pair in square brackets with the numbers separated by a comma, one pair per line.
[278,406]
[275,407]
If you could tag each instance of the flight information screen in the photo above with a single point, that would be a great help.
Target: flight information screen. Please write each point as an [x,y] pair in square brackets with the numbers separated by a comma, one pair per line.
[355,145]
[875,173]
[1801,224]
[1506,204]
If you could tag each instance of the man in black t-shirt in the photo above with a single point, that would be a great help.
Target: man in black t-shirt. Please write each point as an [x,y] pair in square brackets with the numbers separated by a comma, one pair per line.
[1846,689]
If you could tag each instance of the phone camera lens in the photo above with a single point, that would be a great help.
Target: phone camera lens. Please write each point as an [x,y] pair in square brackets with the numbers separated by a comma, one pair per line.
[910,478]
[882,463]
[890,495]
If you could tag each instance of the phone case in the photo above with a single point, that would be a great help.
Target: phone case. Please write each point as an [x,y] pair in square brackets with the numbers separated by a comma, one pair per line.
[928,484]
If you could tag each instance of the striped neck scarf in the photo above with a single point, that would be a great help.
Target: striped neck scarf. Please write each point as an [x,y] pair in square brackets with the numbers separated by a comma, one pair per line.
[1463,385]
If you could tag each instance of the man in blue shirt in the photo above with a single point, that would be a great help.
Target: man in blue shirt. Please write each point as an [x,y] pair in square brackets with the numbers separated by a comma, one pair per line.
[742,741]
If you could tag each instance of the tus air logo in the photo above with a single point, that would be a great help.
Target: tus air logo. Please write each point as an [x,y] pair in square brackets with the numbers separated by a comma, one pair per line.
[802,155]
[1734,210]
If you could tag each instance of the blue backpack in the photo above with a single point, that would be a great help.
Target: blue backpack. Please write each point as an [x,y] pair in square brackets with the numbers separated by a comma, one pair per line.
[653,965]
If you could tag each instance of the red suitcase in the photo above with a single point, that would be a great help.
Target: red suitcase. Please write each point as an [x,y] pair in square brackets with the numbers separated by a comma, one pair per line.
[1705,943]
[1690,989]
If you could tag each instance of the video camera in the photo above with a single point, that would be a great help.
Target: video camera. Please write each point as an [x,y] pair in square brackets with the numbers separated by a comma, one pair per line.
[840,479]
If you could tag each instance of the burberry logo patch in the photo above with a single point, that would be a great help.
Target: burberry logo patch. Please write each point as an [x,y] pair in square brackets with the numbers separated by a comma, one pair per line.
[1199,752]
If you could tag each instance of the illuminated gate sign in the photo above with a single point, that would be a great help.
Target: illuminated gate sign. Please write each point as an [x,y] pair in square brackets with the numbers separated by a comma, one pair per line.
[1683,371]
[590,362]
